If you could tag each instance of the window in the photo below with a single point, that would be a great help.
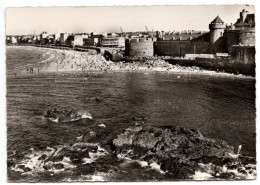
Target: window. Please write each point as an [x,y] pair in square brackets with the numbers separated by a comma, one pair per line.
[221,34]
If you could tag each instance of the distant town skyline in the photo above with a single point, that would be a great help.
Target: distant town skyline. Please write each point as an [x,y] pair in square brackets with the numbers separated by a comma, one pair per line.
[109,19]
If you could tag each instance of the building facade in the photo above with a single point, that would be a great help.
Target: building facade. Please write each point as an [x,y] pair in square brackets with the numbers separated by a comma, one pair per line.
[113,42]
[78,39]
[63,38]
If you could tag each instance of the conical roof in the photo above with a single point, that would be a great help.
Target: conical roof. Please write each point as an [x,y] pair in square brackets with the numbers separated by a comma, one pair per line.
[217,20]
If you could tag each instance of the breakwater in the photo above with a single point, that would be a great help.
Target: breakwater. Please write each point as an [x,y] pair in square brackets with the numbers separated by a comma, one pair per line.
[229,65]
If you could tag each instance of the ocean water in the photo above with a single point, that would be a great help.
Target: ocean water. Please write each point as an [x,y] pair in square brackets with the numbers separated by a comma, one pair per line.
[219,106]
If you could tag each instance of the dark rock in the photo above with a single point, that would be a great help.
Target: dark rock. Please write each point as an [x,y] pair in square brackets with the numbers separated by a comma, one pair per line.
[10,163]
[77,156]
[21,167]
[173,140]
[27,169]
[247,160]
[177,149]
[58,166]
[47,167]
[63,115]
[42,157]
[232,167]
[55,158]
[242,171]
[226,175]
[98,99]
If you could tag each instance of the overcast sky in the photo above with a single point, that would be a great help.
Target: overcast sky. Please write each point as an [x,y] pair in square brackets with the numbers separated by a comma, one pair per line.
[110,19]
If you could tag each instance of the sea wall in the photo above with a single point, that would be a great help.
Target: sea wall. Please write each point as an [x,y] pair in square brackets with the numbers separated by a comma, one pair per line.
[241,61]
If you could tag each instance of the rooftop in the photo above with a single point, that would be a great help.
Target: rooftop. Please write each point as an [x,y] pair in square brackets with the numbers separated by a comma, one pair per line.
[217,20]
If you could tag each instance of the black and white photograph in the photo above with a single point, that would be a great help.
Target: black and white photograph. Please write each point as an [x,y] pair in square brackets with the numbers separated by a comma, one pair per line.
[130,93]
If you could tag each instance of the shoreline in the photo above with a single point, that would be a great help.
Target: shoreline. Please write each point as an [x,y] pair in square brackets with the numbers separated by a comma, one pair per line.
[70,61]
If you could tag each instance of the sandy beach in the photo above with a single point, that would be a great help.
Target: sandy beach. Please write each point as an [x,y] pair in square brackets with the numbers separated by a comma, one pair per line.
[75,61]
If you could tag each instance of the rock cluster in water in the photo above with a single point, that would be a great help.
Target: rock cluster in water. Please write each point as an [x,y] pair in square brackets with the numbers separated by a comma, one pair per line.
[174,152]
[60,158]
[66,116]
[183,153]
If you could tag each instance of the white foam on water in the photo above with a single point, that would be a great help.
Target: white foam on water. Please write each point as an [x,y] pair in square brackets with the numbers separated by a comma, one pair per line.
[202,176]
[86,116]
[102,125]
[143,163]
[36,164]
[156,167]
[93,156]
[31,160]
[87,160]
[123,156]
[95,178]
[238,173]
[54,120]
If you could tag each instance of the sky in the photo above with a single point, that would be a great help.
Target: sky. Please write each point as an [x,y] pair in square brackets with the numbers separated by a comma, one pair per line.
[26,20]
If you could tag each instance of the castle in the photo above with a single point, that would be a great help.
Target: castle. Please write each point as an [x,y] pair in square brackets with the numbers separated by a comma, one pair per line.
[220,39]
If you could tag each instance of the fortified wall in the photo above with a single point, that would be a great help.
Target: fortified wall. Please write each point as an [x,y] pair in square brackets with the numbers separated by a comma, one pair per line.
[179,48]
[246,37]
[243,54]
[142,47]
[239,37]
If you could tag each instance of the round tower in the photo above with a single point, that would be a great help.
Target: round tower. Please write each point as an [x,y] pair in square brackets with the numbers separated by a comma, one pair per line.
[216,29]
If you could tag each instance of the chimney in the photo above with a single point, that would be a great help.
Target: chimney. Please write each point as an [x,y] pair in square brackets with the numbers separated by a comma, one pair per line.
[243,15]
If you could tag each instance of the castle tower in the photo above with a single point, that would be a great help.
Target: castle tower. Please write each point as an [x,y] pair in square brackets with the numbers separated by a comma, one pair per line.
[216,29]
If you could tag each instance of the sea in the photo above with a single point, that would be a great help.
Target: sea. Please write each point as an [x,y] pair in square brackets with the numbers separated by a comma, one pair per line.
[219,106]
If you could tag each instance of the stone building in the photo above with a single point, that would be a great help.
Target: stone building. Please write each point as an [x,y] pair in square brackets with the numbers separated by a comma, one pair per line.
[63,38]
[113,42]
[93,40]
[43,37]
[178,44]
[78,39]
[142,47]
[219,39]
[57,38]
[243,31]
[14,40]
[245,20]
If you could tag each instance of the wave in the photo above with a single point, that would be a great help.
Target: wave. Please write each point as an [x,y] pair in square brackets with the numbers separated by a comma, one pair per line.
[59,158]
[236,171]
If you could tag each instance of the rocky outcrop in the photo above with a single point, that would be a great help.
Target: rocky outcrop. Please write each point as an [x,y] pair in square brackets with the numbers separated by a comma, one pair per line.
[179,151]
[168,142]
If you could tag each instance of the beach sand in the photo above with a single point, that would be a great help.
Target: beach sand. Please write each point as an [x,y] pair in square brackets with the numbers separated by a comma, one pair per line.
[75,61]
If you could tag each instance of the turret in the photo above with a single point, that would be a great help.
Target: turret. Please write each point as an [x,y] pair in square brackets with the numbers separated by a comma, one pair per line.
[216,29]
